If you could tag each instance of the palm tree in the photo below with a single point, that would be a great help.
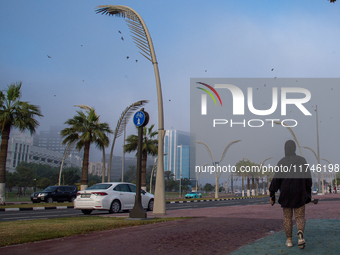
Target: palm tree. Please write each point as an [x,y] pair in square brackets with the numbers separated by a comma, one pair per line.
[150,147]
[85,129]
[18,114]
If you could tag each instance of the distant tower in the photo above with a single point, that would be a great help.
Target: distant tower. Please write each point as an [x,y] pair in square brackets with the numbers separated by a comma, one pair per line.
[177,153]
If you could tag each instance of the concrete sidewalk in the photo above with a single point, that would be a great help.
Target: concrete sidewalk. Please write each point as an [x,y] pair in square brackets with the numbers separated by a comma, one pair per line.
[253,229]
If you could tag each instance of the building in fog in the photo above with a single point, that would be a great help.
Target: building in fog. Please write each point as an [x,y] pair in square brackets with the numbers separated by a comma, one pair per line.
[21,148]
[117,163]
[52,140]
[96,168]
[177,153]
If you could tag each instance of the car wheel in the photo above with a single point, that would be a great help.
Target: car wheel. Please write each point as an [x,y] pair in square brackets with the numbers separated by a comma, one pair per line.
[86,211]
[72,199]
[115,207]
[49,200]
[150,205]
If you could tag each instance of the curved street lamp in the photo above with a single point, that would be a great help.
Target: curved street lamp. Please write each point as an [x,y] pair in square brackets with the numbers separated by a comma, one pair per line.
[142,39]
[292,133]
[62,162]
[217,175]
[121,124]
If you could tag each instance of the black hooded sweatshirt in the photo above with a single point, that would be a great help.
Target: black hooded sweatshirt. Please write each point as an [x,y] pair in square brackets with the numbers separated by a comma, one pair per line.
[295,185]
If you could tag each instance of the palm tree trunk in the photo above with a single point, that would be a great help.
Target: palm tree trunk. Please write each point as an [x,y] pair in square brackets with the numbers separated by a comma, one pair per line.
[85,172]
[248,186]
[252,186]
[143,177]
[268,183]
[242,186]
[3,160]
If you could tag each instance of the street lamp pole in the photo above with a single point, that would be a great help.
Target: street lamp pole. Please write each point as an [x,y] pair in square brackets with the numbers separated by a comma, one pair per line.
[318,159]
[198,174]
[262,163]
[335,180]
[318,150]
[62,163]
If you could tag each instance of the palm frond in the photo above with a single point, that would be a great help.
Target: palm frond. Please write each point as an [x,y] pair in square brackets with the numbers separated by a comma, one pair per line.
[125,116]
[207,148]
[135,24]
[309,148]
[226,149]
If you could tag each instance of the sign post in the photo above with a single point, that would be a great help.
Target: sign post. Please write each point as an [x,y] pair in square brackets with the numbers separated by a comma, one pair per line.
[140,119]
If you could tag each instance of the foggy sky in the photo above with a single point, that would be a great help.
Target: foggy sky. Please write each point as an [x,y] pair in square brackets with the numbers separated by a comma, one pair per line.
[193,39]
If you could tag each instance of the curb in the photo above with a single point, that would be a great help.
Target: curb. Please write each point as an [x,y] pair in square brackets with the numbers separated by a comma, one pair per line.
[71,207]
[35,208]
[207,200]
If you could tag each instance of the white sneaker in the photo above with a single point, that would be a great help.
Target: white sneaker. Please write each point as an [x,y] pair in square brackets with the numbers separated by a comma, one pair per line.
[301,241]
[289,243]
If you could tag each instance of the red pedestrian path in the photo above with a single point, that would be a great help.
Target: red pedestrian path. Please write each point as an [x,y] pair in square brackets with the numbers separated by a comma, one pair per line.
[214,230]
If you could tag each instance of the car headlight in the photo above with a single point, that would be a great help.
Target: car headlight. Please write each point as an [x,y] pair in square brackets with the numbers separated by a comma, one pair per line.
[42,194]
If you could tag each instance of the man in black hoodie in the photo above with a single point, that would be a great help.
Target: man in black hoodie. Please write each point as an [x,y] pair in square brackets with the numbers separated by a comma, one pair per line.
[295,184]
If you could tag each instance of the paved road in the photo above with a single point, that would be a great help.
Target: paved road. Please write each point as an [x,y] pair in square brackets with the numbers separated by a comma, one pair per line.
[57,213]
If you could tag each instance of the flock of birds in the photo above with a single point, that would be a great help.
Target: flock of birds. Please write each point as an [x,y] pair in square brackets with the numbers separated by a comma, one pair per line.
[122,38]
[127,57]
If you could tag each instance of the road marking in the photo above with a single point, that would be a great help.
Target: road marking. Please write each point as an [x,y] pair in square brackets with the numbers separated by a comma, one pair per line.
[11,209]
[14,218]
[61,207]
[38,208]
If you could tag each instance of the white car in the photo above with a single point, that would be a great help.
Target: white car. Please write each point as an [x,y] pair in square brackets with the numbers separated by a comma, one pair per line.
[111,196]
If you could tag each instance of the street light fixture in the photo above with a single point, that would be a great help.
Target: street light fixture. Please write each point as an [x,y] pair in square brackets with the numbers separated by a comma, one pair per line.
[143,41]
[292,133]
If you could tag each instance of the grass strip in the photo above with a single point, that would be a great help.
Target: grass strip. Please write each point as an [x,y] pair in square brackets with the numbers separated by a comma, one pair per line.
[19,232]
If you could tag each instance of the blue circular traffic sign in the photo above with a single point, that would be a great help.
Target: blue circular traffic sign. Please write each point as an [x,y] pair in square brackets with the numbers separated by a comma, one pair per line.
[139,118]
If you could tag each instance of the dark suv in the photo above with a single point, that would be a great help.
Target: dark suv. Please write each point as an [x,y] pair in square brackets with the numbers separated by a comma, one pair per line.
[55,193]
